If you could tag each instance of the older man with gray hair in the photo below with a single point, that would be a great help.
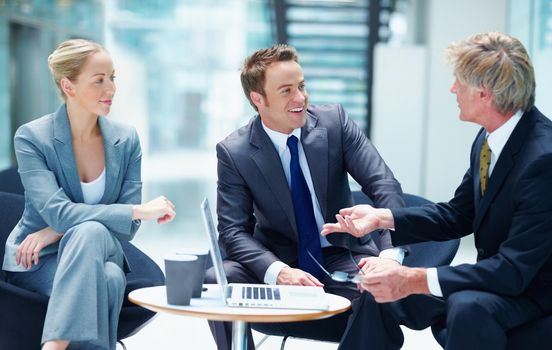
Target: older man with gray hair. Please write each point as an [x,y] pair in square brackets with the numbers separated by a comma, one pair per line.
[504,199]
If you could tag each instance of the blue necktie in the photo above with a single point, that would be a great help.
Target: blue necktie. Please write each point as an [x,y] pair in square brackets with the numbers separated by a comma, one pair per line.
[309,240]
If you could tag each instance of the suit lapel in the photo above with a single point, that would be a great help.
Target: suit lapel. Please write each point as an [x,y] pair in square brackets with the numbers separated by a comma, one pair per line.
[63,145]
[315,145]
[504,164]
[268,161]
[113,154]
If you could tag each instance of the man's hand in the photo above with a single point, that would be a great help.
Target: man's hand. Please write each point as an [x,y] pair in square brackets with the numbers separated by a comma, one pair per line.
[360,220]
[371,263]
[30,248]
[297,277]
[388,284]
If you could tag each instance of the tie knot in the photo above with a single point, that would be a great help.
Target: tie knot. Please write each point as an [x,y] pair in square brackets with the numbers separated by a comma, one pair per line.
[292,143]
[485,147]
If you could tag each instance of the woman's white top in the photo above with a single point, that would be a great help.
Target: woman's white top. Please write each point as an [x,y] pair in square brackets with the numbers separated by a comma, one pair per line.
[93,191]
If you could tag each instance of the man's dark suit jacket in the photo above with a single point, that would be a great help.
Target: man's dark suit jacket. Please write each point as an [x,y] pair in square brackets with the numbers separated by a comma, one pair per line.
[254,206]
[512,222]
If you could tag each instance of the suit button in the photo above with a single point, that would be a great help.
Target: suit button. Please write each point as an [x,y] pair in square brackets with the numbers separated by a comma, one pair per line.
[480,251]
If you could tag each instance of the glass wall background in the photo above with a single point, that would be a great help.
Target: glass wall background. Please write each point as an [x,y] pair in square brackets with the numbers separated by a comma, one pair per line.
[177,74]
[29,30]
[531,22]
[177,65]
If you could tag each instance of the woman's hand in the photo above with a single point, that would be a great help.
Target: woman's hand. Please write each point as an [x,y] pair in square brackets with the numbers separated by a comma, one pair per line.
[30,248]
[160,208]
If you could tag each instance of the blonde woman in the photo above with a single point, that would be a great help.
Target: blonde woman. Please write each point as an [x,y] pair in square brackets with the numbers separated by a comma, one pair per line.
[81,173]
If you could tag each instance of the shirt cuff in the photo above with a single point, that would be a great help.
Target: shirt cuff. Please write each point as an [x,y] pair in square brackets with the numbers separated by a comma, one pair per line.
[433,282]
[271,274]
[396,254]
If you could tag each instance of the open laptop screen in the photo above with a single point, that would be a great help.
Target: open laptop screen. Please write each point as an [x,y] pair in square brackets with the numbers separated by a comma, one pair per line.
[216,256]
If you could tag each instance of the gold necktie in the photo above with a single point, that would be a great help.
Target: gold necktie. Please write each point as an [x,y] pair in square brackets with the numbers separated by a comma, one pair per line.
[484,161]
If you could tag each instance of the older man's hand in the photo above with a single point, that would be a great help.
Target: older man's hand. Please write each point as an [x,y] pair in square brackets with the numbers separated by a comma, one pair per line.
[389,283]
[371,263]
[360,220]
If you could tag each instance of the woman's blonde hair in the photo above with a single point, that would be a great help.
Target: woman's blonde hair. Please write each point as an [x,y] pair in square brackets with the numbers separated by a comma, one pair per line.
[499,63]
[68,59]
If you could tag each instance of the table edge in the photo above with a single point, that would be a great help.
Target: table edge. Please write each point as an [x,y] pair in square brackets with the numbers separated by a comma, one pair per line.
[316,315]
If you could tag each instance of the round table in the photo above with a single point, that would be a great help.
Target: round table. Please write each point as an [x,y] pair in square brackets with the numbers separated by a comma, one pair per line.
[211,307]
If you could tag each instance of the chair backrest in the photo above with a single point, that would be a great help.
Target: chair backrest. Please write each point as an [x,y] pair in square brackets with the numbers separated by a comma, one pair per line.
[10,181]
[424,254]
[11,209]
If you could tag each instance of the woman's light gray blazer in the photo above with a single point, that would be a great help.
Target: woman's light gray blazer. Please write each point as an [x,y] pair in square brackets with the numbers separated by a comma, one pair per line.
[53,195]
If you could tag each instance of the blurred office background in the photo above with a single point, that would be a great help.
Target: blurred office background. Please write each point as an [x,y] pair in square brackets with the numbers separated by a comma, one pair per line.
[177,65]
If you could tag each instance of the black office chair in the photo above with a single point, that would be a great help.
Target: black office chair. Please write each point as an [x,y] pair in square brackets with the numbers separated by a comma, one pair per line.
[22,312]
[10,181]
[532,335]
[425,254]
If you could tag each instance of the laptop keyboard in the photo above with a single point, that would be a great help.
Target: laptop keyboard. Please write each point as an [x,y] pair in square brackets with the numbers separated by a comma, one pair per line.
[258,293]
[261,293]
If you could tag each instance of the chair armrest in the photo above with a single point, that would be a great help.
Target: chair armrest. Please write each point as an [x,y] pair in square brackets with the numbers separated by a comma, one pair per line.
[10,293]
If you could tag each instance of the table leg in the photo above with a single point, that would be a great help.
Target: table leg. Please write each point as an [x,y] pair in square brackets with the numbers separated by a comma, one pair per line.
[239,335]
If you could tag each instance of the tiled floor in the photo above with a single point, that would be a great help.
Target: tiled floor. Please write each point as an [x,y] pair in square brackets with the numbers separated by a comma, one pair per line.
[179,332]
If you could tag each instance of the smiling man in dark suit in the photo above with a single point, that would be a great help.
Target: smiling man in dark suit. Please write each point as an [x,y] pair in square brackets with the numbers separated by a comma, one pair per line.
[505,198]
[282,176]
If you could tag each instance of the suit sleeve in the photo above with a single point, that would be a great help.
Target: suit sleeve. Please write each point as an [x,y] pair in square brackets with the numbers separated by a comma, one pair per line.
[437,222]
[131,189]
[51,201]
[236,222]
[368,168]
[527,247]
[440,221]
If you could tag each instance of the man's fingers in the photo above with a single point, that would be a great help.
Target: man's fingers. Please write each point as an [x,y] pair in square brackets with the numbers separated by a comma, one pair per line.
[341,221]
[330,228]
[370,269]
[366,262]
[351,227]
[307,282]
[372,279]
[340,226]
[346,211]
[314,280]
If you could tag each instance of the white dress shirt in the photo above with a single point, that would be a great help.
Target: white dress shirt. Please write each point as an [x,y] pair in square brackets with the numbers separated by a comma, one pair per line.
[496,140]
[280,143]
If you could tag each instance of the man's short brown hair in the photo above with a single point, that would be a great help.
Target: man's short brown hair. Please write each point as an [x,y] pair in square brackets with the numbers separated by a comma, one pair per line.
[253,72]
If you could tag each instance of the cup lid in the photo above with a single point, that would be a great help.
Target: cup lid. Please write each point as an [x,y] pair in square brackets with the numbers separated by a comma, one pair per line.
[180,257]
[192,251]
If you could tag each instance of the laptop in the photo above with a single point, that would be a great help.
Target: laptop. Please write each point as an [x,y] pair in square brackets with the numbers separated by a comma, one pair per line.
[258,295]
